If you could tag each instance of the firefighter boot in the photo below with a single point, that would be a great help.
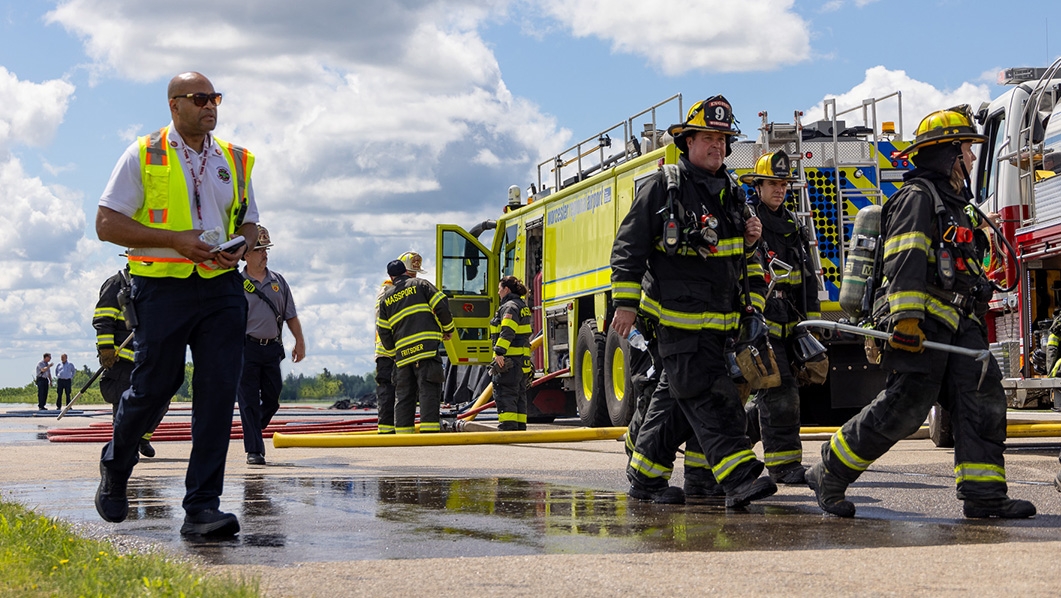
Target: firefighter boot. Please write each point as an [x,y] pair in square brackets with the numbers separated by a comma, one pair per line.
[666,495]
[792,474]
[1003,508]
[829,491]
[702,484]
[112,504]
[753,489]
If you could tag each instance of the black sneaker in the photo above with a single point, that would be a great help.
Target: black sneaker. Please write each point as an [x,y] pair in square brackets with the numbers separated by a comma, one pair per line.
[146,449]
[829,492]
[749,491]
[112,504]
[792,475]
[669,495]
[1003,508]
[255,459]
[210,522]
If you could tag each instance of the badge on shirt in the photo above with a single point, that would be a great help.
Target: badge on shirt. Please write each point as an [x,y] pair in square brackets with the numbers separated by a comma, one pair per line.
[276,288]
[223,174]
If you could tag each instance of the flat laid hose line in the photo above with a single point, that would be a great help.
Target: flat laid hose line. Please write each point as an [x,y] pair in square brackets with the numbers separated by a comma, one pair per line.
[445,438]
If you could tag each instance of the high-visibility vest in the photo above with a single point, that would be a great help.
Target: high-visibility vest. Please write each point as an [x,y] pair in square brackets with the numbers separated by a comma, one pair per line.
[167,206]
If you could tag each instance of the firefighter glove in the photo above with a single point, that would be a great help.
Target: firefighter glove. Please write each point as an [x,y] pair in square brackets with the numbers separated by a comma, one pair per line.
[907,336]
[107,357]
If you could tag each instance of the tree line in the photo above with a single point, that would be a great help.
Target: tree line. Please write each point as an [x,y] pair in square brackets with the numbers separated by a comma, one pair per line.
[325,386]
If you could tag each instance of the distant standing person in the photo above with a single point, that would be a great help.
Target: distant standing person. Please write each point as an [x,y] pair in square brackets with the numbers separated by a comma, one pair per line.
[111,331]
[173,198]
[43,375]
[510,332]
[269,305]
[414,319]
[64,380]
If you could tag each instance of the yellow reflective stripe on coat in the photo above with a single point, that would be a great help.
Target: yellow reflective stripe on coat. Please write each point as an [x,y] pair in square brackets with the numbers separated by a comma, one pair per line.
[915,241]
[980,472]
[630,291]
[412,339]
[725,248]
[728,464]
[514,325]
[695,459]
[436,298]
[708,320]
[502,343]
[839,447]
[781,330]
[408,311]
[108,312]
[648,468]
[782,457]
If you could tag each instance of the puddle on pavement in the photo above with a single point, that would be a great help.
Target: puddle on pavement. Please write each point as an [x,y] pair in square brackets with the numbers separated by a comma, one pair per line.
[298,519]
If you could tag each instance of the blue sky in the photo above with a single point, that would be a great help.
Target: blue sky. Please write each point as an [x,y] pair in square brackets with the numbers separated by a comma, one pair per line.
[373,121]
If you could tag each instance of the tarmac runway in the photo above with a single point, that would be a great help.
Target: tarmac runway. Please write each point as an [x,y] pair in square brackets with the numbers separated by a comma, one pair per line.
[553,519]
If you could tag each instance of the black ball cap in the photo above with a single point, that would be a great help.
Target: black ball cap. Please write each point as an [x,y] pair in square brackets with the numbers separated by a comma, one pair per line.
[396,268]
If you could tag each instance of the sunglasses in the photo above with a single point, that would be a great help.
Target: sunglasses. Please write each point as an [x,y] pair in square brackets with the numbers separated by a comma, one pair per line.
[201,99]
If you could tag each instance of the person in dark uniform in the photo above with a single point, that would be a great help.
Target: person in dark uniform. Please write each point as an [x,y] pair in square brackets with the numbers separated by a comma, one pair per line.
[269,305]
[773,413]
[414,319]
[385,369]
[111,331]
[510,331]
[688,285]
[173,199]
[935,289]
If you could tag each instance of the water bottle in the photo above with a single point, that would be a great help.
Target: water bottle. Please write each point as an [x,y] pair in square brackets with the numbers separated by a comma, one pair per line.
[637,340]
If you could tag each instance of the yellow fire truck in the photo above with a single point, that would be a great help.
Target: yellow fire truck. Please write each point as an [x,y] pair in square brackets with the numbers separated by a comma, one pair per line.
[559,242]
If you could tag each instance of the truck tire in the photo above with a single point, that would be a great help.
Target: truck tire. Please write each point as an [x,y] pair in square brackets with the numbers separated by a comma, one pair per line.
[939,427]
[619,392]
[589,376]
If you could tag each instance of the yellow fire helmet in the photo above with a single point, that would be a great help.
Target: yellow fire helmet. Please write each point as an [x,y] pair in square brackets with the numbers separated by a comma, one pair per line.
[953,125]
[713,114]
[775,166]
[412,260]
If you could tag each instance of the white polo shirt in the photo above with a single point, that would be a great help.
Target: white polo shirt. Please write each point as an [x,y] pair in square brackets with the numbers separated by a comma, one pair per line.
[125,190]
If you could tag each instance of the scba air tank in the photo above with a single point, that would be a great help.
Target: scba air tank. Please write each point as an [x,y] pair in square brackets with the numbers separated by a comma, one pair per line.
[861,258]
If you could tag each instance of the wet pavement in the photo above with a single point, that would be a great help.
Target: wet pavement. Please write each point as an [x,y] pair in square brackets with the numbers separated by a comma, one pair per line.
[321,505]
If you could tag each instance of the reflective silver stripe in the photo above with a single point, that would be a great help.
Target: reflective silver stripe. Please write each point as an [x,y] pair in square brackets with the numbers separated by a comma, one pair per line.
[839,447]
[782,457]
[648,468]
[694,459]
[146,253]
[727,465]
[979,472]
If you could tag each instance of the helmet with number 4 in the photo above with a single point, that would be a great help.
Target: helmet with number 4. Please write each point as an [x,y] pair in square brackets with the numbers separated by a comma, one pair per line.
[774,166]
[953,125]
[713,114]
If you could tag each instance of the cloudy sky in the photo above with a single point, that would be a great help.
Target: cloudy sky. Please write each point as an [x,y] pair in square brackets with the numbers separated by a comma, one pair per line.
[372,121]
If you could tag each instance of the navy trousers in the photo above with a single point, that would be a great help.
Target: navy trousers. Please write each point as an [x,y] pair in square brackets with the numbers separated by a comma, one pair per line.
[259,391]
[208,315]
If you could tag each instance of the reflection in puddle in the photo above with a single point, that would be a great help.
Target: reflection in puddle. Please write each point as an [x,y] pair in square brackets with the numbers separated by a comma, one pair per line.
[297,519]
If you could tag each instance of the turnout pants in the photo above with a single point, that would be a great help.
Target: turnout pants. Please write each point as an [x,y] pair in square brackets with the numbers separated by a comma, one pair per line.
[259,391]
[385,394]
[917,382]
[694,397]
[419,381]
[773,416]
[210,317]
[510,395]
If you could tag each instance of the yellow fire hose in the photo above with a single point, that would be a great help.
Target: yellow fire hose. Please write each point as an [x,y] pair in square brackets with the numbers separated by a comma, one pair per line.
[445,438]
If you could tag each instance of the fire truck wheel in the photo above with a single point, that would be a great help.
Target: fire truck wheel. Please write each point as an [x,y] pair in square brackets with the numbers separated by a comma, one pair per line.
[619,391]
[939,428]
[588,365]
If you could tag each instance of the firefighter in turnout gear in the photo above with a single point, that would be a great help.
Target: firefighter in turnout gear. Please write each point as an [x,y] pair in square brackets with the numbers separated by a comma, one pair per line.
[510,331]
[933,289]
[681,256]
[773,413]
[384,373]
[414,319]
[111,331]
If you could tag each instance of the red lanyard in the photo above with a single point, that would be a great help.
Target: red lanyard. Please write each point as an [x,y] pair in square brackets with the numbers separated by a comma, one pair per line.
[196,178]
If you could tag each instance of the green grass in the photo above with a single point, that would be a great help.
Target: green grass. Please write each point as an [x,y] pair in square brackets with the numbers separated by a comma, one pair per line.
[44,557]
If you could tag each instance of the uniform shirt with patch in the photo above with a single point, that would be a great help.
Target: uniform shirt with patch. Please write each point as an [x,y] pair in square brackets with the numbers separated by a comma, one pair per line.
[261,320]
[125,189]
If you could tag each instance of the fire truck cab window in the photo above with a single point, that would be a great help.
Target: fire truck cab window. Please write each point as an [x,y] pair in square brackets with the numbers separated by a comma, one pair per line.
[464,266]
[995,129]
[508,268]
